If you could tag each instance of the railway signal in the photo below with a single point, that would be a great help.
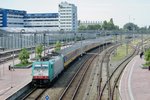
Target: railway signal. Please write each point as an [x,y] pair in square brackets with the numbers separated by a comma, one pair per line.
[47,97]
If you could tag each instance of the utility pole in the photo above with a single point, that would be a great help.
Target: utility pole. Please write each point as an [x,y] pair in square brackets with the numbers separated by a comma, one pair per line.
[20,40]
[127,47]
[21,32]
[116,37]
[105,39]
[121,38]
[75,37]
[13,60]
[35,41]
[133,30]
[44,39]
[142,43]
[81,45]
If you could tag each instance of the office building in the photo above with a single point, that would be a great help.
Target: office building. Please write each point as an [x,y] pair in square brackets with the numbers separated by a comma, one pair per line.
[42,20]
[65,19]
[12,18]
[68,16]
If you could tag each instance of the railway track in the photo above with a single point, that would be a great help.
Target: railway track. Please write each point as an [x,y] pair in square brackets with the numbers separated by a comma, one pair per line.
[34,94]
[122,67]
[37,93]
[111,83]
[73,86]
[94,85]
[105,59]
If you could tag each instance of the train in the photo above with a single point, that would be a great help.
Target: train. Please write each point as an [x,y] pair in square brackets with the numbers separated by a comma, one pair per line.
[46,70]
[49,68]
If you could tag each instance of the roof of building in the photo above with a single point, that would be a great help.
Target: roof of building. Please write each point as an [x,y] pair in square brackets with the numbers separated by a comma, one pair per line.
[12,11]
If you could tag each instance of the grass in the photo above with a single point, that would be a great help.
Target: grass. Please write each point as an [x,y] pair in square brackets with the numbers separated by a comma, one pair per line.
[121,53]
[136,41]
[23,65]
[146,65]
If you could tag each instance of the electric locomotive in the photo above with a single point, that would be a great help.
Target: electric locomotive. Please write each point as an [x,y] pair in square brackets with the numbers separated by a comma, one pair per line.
[44,71]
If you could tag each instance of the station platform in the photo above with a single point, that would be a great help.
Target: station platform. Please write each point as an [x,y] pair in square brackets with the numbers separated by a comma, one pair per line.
[12,81]
[135,81]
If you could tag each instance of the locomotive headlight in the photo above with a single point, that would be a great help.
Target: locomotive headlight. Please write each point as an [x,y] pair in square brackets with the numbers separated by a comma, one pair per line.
[41,72]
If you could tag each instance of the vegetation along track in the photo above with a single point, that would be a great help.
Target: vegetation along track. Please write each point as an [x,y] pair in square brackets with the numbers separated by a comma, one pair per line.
[112,82]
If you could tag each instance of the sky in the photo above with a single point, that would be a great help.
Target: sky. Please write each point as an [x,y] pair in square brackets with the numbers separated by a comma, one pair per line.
[122,11]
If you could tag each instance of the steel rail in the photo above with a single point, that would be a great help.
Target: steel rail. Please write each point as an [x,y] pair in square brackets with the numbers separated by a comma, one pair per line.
[113,73]
[118,77]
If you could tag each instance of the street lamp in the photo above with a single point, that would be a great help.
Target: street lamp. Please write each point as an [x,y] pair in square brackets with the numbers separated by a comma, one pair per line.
[44,39]
[13,69]
[13,55]
[22,31]
[35,41]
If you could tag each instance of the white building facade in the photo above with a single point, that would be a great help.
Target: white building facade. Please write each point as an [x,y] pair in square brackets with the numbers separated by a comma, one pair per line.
[68,17]
[48,21]
[65,20]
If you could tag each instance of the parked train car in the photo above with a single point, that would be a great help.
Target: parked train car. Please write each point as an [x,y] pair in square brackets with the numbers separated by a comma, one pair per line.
[45,71]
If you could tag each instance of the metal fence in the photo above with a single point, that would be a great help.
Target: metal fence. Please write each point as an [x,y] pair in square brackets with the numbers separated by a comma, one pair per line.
[22,39]
[16,40]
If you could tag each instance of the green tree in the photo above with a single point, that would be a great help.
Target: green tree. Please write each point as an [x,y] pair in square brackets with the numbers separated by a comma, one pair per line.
[143,28]
[57,46]
[109,25]
[116,27]
[24,56]
[105,25]
[82,27]
[147,56]
[94,27]
[38,51]
[130,26]
[148,27]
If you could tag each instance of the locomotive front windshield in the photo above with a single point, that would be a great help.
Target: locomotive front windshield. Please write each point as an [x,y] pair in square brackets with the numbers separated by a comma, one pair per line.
[41,70]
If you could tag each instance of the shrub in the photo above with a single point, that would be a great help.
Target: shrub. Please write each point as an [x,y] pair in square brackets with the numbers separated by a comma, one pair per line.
[24,56]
